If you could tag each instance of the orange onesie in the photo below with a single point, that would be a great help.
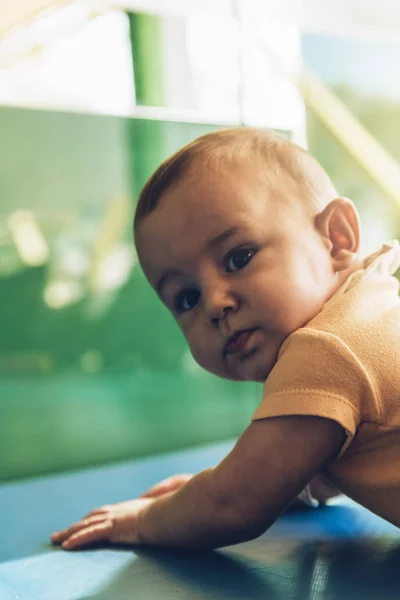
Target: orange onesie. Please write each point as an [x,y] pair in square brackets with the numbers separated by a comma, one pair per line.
[345,365]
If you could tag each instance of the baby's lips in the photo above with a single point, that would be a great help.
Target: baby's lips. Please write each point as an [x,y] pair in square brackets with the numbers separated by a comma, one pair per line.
[238,341]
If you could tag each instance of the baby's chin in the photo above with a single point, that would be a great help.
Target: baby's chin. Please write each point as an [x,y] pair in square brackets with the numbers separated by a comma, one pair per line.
[259,366]
[255,368]
[258,375]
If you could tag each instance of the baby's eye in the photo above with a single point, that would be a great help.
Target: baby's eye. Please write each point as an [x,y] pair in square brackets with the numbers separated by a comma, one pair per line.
[239,259]
[186,300]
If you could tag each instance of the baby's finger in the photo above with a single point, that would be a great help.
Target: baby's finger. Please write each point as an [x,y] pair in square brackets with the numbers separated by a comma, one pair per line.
[94,533]
[59,536]
[102,510]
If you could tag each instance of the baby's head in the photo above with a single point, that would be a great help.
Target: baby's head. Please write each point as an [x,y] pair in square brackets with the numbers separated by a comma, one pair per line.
[242,235]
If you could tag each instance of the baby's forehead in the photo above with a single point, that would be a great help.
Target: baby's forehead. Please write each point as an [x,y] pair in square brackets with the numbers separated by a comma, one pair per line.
[273,173]
[196,218]
[206,196]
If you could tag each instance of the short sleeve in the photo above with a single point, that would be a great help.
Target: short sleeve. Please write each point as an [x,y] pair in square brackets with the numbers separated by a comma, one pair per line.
[318,375]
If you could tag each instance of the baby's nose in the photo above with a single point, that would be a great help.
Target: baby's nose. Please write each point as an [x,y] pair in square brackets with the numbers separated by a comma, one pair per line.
[217,305]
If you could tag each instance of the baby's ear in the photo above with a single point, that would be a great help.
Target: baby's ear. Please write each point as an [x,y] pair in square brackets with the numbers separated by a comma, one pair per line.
[339,224]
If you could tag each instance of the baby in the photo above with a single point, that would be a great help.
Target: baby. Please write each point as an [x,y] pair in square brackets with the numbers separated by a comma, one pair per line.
[245,240]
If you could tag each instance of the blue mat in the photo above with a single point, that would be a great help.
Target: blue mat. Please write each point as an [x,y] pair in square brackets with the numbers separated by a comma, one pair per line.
[339,551]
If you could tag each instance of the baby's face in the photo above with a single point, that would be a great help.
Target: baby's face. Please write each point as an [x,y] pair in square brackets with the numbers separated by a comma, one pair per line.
[239,266]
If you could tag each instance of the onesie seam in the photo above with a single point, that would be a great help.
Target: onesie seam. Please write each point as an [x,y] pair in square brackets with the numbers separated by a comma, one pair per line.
[349,351]
[316,392]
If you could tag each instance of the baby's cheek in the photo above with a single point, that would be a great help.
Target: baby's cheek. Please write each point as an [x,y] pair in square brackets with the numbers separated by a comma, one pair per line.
[194,340]
[200,353]
[278,304]
[205,355]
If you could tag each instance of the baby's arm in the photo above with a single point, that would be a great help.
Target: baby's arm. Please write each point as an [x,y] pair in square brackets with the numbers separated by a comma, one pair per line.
[318,490]
[240,498]
[233,502]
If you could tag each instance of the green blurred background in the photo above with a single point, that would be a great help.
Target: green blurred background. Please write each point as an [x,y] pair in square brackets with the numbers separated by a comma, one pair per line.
[92,367]
[107,376]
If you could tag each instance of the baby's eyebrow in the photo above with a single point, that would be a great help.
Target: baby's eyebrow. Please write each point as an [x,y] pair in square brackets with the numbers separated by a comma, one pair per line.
[222,237]
[168,274]
[171,273]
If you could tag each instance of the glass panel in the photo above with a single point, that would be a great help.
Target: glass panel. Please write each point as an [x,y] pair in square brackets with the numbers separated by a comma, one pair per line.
[92,366]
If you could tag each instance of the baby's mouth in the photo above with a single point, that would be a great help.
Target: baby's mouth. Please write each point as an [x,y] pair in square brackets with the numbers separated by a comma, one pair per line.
[237,343]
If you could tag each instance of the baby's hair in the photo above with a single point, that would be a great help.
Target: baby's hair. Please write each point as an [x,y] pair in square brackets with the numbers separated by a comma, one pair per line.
[273,155]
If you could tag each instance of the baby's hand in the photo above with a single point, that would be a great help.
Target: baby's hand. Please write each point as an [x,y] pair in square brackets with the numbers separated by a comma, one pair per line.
[321,489]
[117,523]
